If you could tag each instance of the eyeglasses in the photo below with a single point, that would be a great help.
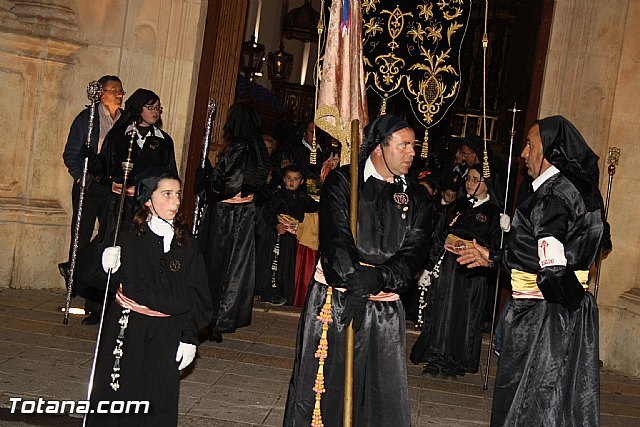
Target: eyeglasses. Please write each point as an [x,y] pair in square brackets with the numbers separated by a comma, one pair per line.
[466,154]
[473,179]
[153,107]
[116,91]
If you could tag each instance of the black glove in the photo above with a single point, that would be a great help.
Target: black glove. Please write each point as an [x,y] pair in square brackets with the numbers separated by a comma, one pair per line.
[355,305]
[87,152]
[563,289]
[367,279]
[202,175]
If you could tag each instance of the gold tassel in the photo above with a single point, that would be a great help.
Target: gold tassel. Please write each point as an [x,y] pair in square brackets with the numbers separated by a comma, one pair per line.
[425,145]
[314,148]
[321,353]
[383,106]
[486,172]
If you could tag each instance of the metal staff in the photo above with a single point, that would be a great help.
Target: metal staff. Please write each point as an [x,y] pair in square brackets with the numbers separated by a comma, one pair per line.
[127,166]
[612,159]
[512,133]
[211,115]
[94,91]
[347,415]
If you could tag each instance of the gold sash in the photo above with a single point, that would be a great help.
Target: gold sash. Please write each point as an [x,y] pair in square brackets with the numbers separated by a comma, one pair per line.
[527,282]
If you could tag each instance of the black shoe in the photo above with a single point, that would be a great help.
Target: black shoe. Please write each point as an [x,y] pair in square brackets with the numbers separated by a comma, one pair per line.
[92,319]
[215,336]
[277,301]
[431,369]
[448,372]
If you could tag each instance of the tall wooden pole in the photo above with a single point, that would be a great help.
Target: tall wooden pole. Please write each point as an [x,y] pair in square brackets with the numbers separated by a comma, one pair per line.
[347,416]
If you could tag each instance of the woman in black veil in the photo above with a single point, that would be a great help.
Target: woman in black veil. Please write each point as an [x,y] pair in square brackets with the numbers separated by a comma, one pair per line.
[227,238]
[451,336]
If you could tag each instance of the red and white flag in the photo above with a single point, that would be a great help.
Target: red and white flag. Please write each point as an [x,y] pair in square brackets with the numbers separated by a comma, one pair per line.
[342,93]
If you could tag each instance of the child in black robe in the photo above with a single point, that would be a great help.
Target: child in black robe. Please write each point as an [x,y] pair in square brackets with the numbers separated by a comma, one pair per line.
[150,333]
[281,215]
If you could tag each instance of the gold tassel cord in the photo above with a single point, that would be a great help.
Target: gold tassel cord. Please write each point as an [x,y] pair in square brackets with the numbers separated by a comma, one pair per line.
[383,106]
[314,144]
[486,172]
[321,354]
[425,145]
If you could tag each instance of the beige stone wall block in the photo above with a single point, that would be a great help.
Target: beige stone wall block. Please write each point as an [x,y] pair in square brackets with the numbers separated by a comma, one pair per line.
[13,138]
[619,332]
[32,233]
[101,21]
[37,248]
[46,169]
[8,237]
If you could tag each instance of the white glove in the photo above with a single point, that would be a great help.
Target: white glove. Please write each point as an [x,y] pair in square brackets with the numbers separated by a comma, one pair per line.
[185,355]
[111,259]
[505,222]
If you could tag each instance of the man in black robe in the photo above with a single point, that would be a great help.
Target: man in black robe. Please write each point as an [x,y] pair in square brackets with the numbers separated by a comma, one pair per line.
[364,278]
[548,372]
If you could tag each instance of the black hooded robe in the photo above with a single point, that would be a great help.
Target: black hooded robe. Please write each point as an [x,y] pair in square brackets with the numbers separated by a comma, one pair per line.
[173,283]
[548,372]
[396,241]
[227,238]
[451,336]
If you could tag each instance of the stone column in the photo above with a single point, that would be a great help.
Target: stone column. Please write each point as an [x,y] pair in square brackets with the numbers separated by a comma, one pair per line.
[38,41]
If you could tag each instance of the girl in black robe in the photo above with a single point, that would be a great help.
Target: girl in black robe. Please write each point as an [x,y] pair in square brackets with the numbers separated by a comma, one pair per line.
[162,301]
[152,147]
[227,237]
[451,337]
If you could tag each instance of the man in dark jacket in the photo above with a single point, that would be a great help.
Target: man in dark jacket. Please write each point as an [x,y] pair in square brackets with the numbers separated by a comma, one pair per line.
[106,113]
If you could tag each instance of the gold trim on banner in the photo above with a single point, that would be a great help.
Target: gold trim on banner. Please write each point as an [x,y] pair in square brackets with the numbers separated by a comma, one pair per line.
[340,131]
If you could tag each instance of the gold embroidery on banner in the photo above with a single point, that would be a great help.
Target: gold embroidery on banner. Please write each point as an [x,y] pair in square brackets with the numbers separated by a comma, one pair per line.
[455,26]
[395,25]
[430,92]
[369,5]
[405,51]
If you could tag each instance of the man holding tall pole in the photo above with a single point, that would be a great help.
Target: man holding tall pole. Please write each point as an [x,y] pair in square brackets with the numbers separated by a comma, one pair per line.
[362,280]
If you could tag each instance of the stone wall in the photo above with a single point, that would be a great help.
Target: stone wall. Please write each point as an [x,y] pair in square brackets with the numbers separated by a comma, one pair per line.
[49,51]
[590,78]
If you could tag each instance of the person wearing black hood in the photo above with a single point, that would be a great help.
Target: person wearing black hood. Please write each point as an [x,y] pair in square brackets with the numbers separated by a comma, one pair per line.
[362,278]
[227,235]
[472,151]
[451,336]
[152,147]
[150,333]
[548,372]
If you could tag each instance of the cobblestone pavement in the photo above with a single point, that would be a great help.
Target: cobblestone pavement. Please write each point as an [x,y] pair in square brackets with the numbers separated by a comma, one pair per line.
[240,382]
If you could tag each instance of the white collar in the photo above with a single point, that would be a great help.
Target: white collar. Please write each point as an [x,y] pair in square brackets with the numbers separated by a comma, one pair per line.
[154,131]
[544,176]
[306,144]
[371,171]
[163,229]
[477,203]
